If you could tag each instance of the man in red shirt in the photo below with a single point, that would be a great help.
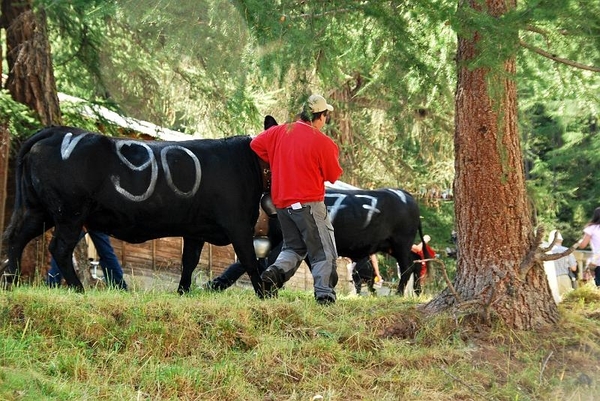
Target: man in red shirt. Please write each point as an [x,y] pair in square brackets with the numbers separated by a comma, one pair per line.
[302,158]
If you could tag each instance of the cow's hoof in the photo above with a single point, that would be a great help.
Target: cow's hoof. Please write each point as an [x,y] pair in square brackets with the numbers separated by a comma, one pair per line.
[263,289]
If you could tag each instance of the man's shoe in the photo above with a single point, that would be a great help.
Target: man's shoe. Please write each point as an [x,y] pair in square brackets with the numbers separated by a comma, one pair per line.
[325,300]
[273,277]
[214,285]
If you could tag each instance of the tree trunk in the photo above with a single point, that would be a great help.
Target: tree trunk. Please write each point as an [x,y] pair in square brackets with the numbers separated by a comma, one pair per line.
[30,73]
[4,158]
[497,269]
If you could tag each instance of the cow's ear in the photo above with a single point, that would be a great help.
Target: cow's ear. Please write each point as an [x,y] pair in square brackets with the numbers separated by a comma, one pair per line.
[270,121]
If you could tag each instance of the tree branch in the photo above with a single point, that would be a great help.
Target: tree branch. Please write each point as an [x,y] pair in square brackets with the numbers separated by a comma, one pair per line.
[382,155]
[535,29]
[555,256]
[532,255]
[544,365]
[539,253]
[445,273]
[318,15]
[543,32]
[558,59]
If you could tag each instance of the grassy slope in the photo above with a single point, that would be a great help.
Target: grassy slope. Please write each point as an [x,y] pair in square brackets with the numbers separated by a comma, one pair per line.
[106,345]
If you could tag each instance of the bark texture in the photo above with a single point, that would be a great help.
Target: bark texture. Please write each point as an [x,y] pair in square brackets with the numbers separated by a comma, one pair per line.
[499,272]
[30,73]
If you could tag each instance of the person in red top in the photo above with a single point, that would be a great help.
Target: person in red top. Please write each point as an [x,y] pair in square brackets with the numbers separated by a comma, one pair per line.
[301,159]
[421,273]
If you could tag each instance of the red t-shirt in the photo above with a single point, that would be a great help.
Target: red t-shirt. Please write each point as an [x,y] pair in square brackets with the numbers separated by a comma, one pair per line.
[302,158]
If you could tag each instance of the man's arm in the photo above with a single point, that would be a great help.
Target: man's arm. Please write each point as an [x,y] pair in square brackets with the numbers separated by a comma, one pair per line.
[375,264]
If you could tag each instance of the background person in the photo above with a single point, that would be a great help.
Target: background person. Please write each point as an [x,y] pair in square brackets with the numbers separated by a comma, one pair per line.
[421,270]
[236,270]
[591,236]
[301,159]
[366,270]
[564,265]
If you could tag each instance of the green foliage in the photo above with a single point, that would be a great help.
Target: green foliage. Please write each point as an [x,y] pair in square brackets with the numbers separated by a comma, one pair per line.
[438,222]
[384,66]
[562,149]
[191,63]
[78,32]
[159,61]
[16,116]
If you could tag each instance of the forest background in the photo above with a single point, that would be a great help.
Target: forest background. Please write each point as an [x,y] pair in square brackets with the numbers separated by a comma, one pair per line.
[216,68]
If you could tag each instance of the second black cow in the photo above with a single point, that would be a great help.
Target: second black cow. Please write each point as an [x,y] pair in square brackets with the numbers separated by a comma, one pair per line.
[384,220]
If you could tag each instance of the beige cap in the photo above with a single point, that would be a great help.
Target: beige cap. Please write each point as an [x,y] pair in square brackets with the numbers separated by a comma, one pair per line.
[317,104]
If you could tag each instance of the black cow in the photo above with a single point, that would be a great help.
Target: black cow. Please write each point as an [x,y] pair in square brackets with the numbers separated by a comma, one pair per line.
[385,220]
[202,190]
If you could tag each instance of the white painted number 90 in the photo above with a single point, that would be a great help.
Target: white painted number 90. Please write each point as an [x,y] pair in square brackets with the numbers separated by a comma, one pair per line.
[69,143]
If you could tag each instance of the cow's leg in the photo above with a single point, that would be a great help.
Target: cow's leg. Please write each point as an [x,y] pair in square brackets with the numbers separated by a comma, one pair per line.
[24,227]
[357,280]
[189,260]
[402,255]
[64,241]
[244,249]
[417,278]
[370,278]
[371,285]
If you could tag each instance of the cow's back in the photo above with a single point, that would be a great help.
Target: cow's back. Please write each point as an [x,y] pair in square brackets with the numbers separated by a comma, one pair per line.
[139,190]
[372,220]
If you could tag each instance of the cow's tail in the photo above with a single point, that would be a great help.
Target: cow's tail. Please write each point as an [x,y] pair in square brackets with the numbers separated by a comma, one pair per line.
[426,254]
[21,182]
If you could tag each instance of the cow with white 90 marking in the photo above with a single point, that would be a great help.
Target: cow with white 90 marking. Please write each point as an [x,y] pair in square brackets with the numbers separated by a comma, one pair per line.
[205,190]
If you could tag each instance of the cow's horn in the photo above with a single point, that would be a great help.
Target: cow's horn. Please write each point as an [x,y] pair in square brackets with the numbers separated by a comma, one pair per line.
[267,205]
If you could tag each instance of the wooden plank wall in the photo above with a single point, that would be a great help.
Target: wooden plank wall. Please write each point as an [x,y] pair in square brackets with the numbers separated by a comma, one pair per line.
[164,254]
